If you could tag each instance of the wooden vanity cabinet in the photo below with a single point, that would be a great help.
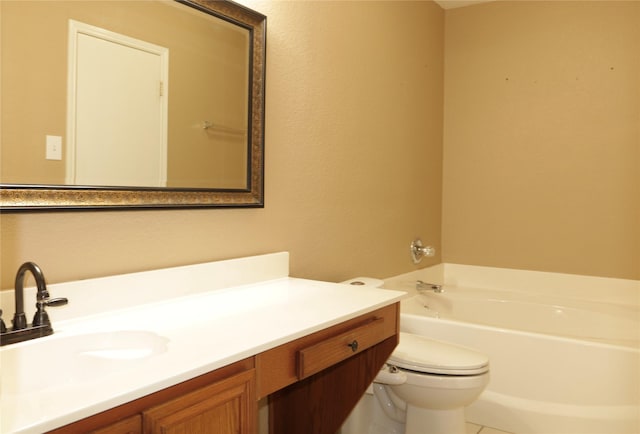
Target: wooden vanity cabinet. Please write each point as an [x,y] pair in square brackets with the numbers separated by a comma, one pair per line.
[312,383]
[220,402]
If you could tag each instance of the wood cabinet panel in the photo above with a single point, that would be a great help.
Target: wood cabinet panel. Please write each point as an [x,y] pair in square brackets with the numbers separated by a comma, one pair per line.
[226,407]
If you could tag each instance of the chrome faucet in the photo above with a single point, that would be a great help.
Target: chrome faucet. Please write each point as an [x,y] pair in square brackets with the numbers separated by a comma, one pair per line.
[425,286]
[41,325]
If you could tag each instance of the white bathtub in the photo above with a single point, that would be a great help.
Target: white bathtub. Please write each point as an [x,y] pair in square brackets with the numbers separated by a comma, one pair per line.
[564,350]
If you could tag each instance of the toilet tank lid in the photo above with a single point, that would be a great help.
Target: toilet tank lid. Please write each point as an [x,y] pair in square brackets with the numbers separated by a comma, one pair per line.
[422,354]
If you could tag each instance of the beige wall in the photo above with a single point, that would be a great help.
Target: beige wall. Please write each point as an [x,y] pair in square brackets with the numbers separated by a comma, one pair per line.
[542,137]
[353,160]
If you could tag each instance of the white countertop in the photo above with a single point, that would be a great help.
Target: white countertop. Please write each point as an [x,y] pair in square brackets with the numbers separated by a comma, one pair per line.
[202,331]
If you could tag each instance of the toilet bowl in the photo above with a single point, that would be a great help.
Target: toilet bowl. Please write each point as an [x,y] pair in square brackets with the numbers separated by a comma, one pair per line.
[424,386]
[428,383]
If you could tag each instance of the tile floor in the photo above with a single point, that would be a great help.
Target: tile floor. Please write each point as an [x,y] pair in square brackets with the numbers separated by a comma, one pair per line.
[479,429]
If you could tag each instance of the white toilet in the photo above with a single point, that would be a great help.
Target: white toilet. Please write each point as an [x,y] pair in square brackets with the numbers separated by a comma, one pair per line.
[434,381]
[423,388]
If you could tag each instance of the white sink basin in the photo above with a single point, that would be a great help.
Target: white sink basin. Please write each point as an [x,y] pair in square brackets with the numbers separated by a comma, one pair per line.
[47,363]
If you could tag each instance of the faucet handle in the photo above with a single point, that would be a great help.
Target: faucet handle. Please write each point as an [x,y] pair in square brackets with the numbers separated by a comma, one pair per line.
[418,251]
[61,301]
[42,317]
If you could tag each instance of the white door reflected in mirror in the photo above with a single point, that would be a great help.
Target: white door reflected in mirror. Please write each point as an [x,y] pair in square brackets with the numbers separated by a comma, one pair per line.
[117,109]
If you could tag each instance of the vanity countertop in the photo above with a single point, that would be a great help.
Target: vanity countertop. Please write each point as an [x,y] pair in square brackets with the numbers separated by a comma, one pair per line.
[194,334]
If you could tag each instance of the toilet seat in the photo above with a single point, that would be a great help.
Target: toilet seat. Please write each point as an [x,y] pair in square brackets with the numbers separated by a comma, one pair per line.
[417,353]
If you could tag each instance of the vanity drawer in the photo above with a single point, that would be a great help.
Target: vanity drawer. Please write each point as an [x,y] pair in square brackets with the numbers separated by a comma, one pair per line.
[330,351]
[284,365]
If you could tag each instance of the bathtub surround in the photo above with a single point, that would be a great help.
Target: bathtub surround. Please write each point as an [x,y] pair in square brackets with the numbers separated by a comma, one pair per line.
[543,385]
[573,286]
[582,377]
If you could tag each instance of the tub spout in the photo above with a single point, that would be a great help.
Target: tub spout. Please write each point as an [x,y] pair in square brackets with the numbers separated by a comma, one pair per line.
[426,286]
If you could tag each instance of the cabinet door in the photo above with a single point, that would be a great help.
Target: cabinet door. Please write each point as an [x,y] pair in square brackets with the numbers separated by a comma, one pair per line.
[226,407]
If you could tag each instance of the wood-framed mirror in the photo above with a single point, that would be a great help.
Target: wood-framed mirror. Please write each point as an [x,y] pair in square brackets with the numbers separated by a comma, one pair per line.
[197,140]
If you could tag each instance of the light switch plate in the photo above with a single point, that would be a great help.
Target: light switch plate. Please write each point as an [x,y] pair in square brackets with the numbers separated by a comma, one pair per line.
[54,148]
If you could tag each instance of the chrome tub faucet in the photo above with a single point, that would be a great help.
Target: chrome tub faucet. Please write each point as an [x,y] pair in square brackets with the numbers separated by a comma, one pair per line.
[426,286]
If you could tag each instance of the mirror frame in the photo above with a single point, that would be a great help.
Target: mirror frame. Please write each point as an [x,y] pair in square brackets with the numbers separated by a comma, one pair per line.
[31,197]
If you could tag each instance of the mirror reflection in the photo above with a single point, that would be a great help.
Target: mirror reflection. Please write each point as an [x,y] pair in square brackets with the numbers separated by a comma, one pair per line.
[136,93]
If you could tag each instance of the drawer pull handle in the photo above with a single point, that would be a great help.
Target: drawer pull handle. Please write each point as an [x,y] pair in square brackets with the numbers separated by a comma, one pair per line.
[353,345]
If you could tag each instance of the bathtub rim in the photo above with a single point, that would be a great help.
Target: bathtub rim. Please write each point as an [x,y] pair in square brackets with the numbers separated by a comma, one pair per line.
[571,286]
[565,339]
